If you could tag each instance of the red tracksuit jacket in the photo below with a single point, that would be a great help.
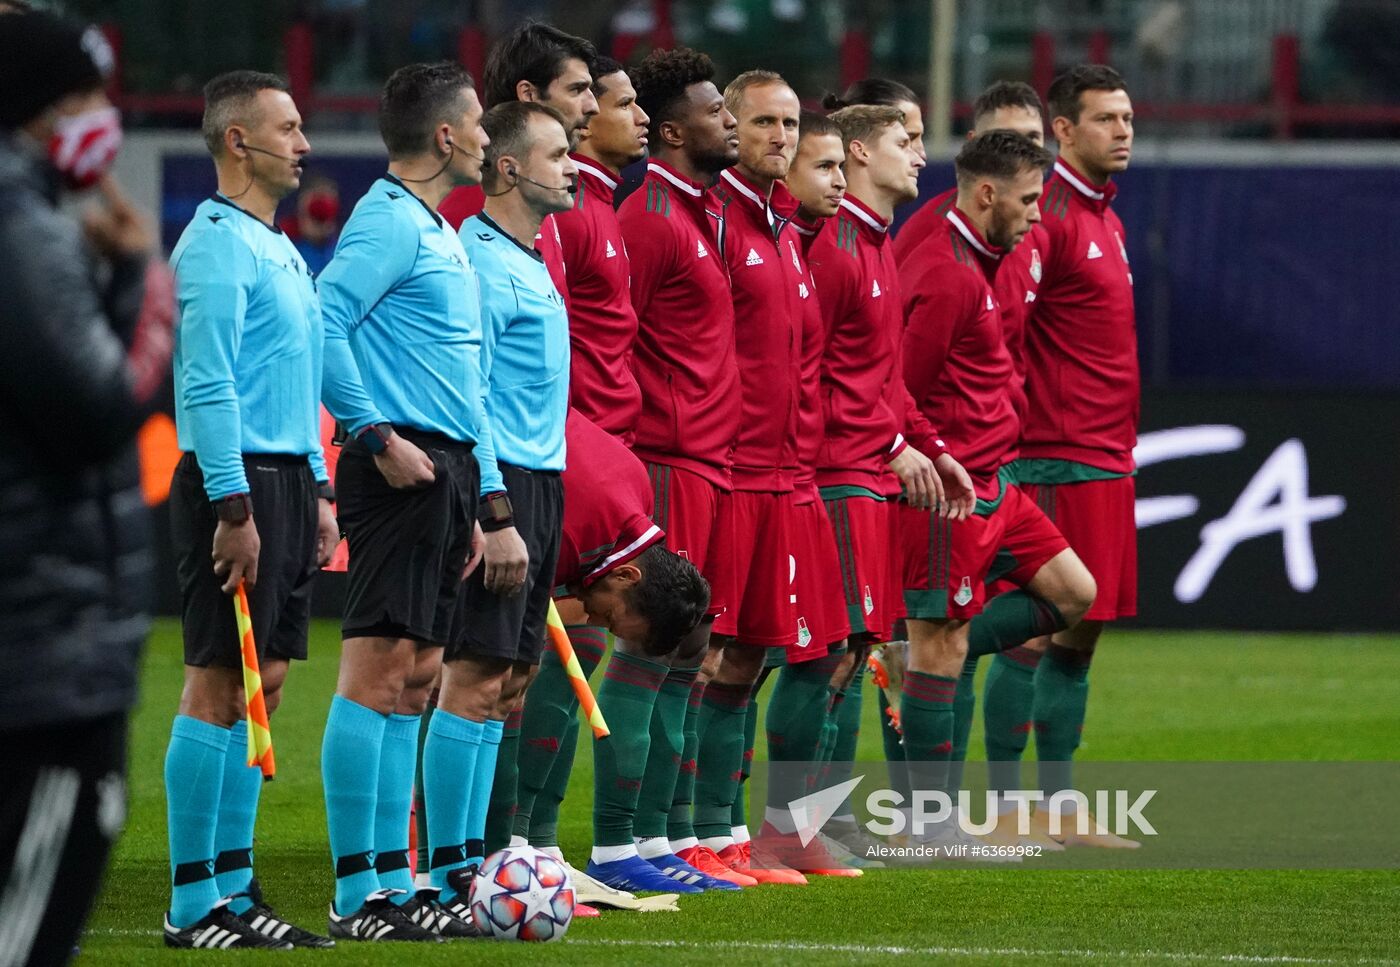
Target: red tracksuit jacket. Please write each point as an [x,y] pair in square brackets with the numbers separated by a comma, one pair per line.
[1082,376]
[1017,284]
[868,415]
[602,323]
[770,291]
[684,358]
[955,359]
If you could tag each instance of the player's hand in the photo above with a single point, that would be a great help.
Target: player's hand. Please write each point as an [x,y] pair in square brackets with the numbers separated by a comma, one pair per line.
[958,496]
[235,554]
[506,561]
[922,488]
[477,552]
[116,227]
[327,532]
[404,466]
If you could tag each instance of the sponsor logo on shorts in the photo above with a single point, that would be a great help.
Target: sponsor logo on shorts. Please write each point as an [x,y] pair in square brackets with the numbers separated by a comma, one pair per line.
[869,601]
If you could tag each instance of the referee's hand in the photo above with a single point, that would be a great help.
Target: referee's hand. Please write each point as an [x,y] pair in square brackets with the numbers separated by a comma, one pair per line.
[506,561]
[235,554]
[404,465]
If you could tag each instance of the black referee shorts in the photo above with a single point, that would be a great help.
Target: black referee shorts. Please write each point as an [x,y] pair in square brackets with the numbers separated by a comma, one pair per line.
[491,625]
[283,490]
[407,547]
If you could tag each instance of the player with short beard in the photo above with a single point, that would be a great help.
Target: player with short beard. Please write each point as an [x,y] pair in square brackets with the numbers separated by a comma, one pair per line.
[958,370]
[686,364]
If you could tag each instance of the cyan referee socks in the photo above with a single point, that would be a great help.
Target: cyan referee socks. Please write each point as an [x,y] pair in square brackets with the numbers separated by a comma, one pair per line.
[238,813]
[350,758]
[449,767]
[398,761]
[194,780]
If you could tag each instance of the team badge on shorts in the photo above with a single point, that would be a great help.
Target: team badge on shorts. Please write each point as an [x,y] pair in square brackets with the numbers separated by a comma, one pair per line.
[804,634]
[964,595]
[869,601]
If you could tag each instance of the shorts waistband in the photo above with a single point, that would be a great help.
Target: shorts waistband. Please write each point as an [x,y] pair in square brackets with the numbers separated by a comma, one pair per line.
[432,438]
[280,459]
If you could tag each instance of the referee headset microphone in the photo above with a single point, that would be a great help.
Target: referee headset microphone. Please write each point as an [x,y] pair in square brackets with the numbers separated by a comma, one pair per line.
[242,145]
[571,187]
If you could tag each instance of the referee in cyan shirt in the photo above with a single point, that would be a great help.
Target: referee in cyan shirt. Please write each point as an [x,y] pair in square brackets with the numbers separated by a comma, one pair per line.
[403,345]
[247,385]
[525,363]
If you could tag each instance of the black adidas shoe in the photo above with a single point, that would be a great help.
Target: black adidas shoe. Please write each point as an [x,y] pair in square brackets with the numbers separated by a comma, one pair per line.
[425,910]
[265,920]
[460,880]
[379,919]
[220,930]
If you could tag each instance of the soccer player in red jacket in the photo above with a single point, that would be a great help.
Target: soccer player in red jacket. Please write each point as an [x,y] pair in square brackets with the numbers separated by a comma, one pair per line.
[771,288]
[685,362]
[1083,385]
[798,704]
[535,62]
[959,371]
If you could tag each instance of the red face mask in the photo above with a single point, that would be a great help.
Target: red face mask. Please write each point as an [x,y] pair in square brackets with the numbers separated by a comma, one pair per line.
[323,207]
[84,146]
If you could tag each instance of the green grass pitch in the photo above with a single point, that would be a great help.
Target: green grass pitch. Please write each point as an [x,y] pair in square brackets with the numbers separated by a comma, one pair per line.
[1156,696]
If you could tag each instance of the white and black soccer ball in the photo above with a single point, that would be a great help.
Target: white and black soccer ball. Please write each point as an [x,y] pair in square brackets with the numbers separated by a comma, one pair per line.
[522,894]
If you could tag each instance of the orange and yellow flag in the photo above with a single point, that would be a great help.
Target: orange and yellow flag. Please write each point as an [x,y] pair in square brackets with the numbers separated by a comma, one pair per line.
[559,638]
[259,728]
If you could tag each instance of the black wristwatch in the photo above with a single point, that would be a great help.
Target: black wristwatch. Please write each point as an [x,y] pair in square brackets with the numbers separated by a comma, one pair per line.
[375,437]
[325,491]
[234,509]
[494,512]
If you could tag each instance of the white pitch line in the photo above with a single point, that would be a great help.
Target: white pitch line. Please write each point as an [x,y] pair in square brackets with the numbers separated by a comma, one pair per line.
[899,951]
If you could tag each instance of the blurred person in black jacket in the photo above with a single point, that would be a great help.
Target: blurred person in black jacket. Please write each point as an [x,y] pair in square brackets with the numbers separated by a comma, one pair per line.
[81,364]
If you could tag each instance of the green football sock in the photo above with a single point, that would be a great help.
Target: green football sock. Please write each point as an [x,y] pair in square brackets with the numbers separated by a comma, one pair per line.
[720,726]
[964,704]
[893,742]
[849,707]
[664,756]
[627,698]
[500,814]
[926,713]
[1006,715]
[420,809]
[738,812]
[1061,695]
[795,722]
[1011,619]
[549,732]
[541,827]
[680,823]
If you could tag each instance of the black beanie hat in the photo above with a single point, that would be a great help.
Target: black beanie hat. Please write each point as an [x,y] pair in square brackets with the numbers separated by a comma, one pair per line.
[44,59]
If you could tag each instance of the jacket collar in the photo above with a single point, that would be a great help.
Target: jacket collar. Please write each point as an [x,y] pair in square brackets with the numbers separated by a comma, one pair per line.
[677,180]
[602,179]
[872,225]
[988,255]
[1098,197]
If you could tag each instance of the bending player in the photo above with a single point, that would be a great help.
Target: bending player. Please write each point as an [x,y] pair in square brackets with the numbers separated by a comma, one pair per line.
[959,371]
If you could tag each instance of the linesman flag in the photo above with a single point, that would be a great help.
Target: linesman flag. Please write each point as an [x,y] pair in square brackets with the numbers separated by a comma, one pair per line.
[559,638]
[259,728]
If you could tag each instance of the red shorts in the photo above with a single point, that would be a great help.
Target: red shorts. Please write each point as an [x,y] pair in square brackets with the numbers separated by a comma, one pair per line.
[756,574]
[865,526]
[1098,519]
[686,507]
[946,563]
[816,583]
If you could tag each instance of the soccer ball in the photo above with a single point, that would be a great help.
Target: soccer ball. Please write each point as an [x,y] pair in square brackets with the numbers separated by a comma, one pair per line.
[522,894]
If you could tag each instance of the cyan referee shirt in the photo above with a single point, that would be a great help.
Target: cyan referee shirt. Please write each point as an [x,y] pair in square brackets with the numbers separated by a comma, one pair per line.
[248,346]
[403,325]
[524,348]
